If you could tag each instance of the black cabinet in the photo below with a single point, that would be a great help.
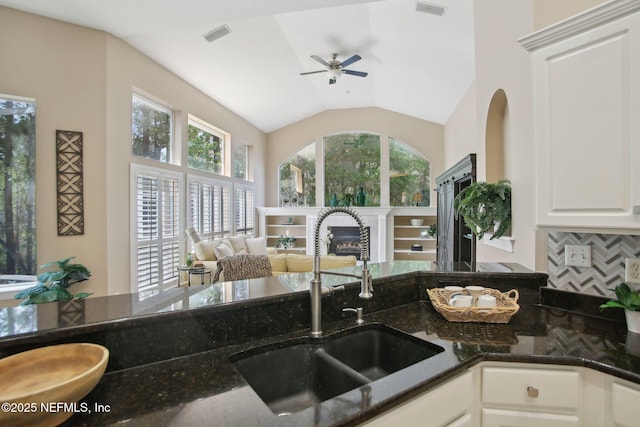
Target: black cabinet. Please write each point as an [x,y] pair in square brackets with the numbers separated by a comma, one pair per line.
[456,242]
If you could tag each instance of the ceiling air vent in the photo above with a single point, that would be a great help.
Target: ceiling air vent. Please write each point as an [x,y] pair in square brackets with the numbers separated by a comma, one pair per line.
[217,33]
[434,9]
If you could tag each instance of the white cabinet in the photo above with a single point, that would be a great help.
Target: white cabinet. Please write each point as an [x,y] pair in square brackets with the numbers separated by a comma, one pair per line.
[625,403]
[531,396]
[586,97]
[450,404]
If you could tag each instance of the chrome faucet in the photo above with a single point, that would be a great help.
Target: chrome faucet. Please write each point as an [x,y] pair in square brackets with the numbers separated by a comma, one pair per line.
[315,288]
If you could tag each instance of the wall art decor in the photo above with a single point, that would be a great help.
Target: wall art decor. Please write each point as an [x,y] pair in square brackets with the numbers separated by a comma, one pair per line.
[69,183]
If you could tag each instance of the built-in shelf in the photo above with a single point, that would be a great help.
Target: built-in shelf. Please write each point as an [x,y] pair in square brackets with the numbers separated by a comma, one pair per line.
[405,235]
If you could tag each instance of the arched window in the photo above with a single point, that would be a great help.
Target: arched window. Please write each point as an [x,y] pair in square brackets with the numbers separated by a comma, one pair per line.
[351,162]
[298,178]
[352,166]
[409,176]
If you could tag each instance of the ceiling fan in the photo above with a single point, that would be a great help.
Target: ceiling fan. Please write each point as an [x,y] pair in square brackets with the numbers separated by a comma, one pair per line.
[336,68]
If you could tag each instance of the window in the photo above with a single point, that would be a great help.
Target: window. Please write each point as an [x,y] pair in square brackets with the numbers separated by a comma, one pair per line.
[298,178]
[206,147]
[244,210]
[151,129]
[409,176]
[241,162]
[158,228]
[210,208]
[351,162]
[18,187]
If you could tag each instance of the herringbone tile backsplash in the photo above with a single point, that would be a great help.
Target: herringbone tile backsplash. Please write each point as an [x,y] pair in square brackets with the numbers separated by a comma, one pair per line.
[608,252]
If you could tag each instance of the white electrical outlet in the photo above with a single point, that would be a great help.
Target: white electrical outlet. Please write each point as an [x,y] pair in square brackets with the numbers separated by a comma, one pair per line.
[632,270]
[577,255]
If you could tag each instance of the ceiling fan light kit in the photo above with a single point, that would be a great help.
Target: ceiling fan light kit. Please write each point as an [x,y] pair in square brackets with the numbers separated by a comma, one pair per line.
[336,68]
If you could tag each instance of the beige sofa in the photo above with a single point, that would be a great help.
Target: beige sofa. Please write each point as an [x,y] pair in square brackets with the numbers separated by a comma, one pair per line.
[208,253]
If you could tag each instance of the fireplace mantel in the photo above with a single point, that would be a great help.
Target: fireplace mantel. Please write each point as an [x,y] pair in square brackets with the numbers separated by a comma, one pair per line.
[273,222]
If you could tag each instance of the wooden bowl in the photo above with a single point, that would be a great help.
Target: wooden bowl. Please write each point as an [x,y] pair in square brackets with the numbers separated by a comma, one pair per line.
[41,386]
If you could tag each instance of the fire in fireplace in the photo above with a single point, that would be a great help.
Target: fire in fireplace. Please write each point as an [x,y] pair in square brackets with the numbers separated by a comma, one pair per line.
[345,241]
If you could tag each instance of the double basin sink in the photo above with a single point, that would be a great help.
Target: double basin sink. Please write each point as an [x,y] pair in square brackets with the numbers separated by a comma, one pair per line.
[293,375]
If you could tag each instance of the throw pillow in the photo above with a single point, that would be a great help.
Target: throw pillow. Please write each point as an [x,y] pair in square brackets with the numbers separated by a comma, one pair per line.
[223,250]
[205,251]
[237,243]
[257,246]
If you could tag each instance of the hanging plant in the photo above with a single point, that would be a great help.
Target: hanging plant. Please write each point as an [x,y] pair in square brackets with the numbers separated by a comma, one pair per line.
[485,207]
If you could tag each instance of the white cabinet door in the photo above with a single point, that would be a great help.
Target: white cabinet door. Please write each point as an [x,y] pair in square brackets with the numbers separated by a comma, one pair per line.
[445,405]
[502,418]
[625,404]
[586,102]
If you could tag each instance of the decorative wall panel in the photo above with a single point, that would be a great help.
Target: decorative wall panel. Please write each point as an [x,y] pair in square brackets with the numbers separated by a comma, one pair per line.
[608,252]
[69,183]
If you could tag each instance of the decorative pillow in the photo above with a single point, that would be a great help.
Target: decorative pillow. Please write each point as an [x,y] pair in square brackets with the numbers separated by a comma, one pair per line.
[223,250]
[205,251]
[278,262]
[257,246]
[237,243]
[297,263]
[329,262]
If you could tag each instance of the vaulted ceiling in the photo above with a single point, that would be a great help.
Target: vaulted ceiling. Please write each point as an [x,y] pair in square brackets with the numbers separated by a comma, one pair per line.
[419,64]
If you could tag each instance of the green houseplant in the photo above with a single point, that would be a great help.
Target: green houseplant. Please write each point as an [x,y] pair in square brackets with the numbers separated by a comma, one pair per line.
[53,285]
[286,242]
[628,300]
[485,207]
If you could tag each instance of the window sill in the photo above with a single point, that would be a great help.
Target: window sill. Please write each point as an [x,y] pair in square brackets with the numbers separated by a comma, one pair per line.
[504,243]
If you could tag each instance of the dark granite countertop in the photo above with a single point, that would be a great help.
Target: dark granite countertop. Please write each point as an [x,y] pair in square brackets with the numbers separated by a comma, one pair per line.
[171,366]
[205,389]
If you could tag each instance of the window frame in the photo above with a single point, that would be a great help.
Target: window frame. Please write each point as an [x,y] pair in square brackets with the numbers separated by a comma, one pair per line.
[172,157]
[224,137]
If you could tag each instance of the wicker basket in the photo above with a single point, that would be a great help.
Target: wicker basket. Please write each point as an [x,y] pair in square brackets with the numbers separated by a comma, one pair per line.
[506,306]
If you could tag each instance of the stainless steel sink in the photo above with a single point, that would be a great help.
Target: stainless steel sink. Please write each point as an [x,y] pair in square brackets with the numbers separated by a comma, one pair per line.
[294,375]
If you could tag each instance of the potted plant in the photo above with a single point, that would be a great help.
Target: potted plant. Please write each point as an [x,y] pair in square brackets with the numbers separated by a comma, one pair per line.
[286,242]
[53,285]
[432,231]
[485,207]
[628,300]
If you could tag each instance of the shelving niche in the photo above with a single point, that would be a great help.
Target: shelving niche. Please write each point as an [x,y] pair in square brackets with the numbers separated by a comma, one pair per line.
[279,225]
[405,235]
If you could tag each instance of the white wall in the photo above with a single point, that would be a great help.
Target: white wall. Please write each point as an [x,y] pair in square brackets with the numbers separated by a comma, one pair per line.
[82,80]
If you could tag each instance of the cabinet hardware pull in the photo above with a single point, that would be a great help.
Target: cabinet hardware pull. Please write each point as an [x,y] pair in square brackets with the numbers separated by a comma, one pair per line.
[532,391]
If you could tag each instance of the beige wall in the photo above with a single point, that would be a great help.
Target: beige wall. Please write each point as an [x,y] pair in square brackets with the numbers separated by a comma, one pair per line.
[426,137]
[82,80]
[548,12]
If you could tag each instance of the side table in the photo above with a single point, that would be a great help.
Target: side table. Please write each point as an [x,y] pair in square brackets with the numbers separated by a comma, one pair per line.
[194,271]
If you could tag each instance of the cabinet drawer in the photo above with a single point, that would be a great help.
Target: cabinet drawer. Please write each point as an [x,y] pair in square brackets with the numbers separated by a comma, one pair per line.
[500,418]
[531,388]
[624,405]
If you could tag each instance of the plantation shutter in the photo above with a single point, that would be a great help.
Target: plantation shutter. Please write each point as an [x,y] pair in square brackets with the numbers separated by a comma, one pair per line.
[210,210]
[157,230]
[244,211]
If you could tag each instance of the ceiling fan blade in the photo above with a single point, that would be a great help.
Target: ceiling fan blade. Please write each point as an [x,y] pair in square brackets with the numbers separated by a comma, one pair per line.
[350,61]
[332,81]
[313,72]
[356,73]
[320,60]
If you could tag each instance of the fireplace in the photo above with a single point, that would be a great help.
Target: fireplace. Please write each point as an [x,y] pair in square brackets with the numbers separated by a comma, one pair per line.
[346,241]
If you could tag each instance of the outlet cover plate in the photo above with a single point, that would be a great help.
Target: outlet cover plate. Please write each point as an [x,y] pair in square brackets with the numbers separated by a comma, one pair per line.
[632,270]
[577,255]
